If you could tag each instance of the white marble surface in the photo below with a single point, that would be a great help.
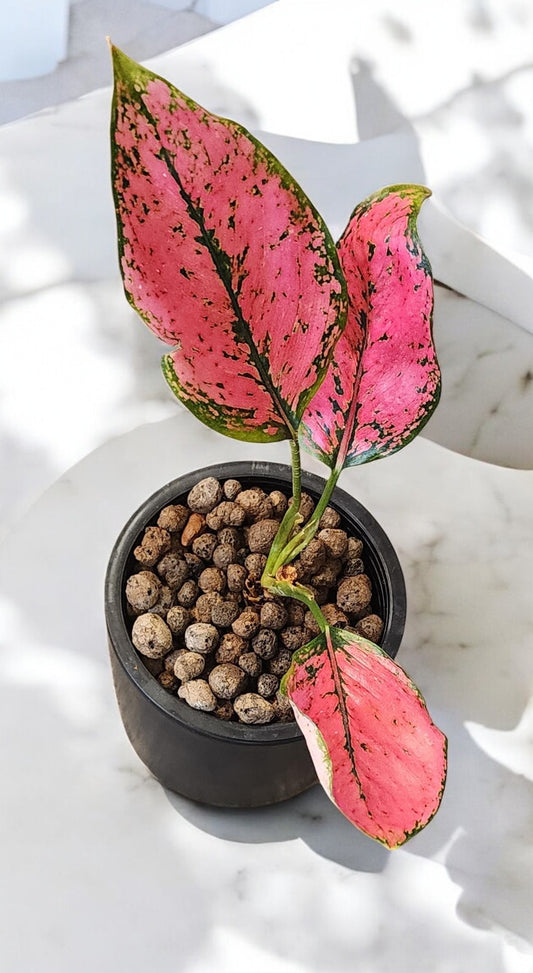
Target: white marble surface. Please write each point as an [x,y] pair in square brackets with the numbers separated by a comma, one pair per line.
[143,26]
[105,870]
[357,123]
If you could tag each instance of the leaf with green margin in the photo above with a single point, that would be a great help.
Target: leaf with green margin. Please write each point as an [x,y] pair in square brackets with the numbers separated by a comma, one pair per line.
[384,380]
[376,751]
[224,257]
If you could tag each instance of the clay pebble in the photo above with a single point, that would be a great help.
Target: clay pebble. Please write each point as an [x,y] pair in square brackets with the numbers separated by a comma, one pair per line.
[151,636]
[273,616]
[261,534]
[155,543]
[201,637]
[173,569]
[226,680]
[173,518]
[178,618]
[231,489]
[142,590]
[354,593]
[189,665]
[205,495]
[207,624]
[251,664]
[198,694]
[230,648]
[247,624]
[267,684]
[226,514]
[370,627]
[252,708]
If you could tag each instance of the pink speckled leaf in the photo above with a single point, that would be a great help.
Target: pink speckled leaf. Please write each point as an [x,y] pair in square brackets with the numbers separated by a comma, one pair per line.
[224,257]
[377,753]
[384,380]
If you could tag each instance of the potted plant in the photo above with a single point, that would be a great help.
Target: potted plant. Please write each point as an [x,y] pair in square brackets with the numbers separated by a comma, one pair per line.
[277,334]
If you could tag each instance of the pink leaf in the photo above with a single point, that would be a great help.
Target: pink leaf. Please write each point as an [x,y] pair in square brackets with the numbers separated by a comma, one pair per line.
[376,751]
[224,257]
[384,380]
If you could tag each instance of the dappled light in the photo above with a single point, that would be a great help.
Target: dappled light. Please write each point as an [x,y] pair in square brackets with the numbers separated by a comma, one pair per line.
[64,680]
[107,870]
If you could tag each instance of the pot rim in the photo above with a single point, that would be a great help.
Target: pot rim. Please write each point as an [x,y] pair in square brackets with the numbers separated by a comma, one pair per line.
[372,535]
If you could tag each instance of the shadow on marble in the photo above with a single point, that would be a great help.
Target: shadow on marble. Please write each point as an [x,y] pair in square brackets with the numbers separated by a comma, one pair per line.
[491,118]
[495,880]
[486,119]
[470,668]
[87,822]
[27,462]
[72,311]
[466,836]
[494,876]
[483,834]
[486,361]
[463,583]
[486,405]
[311,817]
[376,111]
[106,365]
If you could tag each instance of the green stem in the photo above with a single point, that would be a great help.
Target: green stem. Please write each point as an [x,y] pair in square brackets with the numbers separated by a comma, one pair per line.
[296,474]
[292,512]
[297,543]
[301,593]
[284,550]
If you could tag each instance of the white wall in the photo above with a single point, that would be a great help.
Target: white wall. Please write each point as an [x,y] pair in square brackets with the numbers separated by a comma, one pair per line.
[223,11]
[34,33]
[33,37]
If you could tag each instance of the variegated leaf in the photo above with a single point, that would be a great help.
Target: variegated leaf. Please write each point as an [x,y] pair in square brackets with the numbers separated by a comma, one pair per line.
[224,257]
[384,381]
[377,753]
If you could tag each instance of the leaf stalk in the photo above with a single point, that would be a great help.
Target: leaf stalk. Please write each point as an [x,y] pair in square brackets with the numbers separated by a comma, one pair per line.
[285,548]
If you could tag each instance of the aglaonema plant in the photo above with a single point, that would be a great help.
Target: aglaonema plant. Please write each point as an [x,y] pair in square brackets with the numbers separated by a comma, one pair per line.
[277,333]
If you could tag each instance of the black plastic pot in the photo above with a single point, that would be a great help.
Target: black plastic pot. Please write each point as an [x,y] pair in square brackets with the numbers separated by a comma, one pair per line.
[193,753]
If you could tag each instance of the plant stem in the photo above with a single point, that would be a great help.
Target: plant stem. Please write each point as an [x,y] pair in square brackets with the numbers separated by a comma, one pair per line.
[283,550]
[292,512]
[296,474]
[301,593]
[302,538]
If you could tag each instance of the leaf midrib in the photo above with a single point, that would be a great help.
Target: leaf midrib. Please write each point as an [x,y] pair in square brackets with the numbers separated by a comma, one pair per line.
[355,405]
[337,680]
[214,253]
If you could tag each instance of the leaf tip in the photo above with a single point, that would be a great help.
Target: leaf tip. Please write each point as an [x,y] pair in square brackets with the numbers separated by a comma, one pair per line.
[419,194]
[123,66]
[424,192]
[416,193]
